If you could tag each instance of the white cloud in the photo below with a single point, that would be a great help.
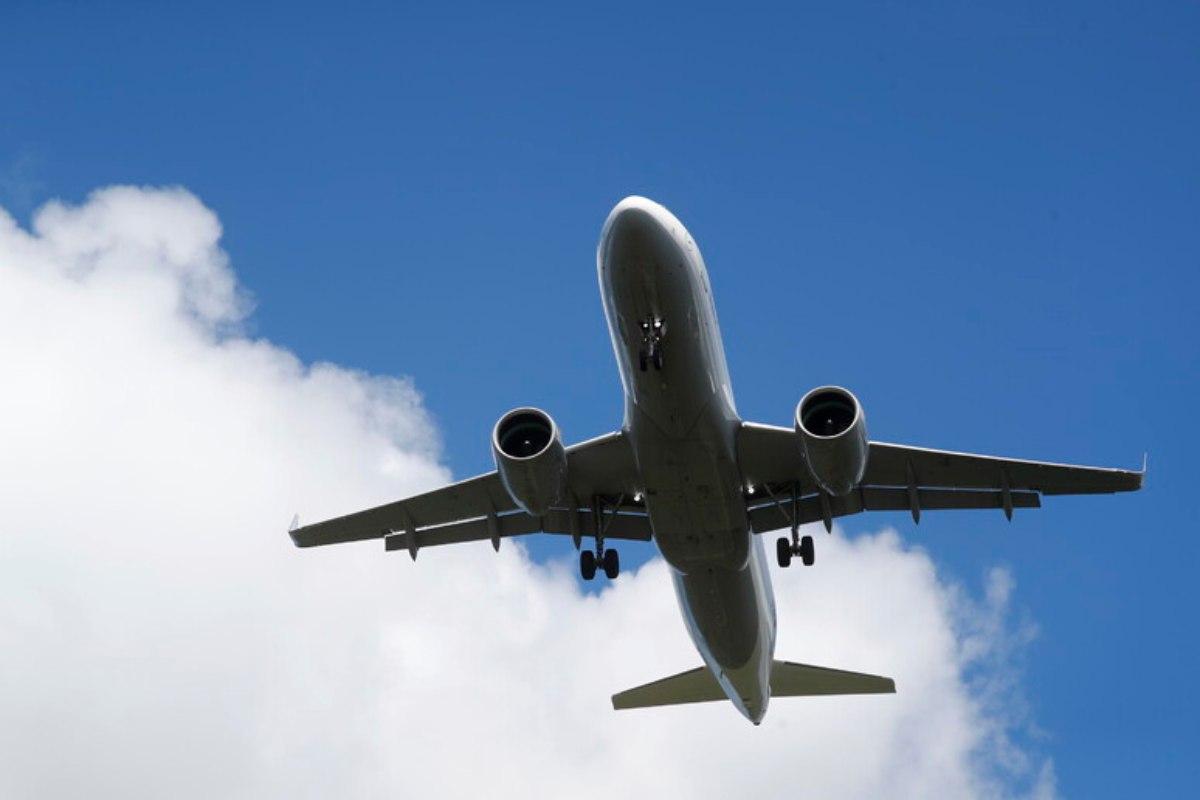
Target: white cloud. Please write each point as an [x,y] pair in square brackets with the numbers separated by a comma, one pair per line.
[161,637]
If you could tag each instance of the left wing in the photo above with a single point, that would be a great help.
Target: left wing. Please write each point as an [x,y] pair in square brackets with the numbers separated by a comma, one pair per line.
[480,508]
[900,478]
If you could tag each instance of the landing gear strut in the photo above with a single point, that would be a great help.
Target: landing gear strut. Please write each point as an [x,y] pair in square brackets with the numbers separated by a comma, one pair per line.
[653,331]
[603,557]
[797,546]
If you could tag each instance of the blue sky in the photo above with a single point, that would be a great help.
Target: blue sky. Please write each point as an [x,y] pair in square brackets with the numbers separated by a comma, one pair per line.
[980,218]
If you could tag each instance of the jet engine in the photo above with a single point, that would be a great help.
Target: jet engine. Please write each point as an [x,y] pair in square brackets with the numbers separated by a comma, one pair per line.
[531,459]
[833,438]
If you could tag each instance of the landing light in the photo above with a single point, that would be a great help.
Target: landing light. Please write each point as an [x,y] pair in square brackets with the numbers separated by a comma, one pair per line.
[637,497]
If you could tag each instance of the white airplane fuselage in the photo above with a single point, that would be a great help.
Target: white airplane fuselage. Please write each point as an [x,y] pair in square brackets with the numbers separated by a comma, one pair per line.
[682,425]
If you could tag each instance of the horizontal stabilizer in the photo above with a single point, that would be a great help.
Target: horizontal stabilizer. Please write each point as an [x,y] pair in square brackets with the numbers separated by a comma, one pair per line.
[694,686]
[802,680]
[787,680]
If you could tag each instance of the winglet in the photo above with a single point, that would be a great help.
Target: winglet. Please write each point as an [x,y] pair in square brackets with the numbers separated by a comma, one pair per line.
[295,524]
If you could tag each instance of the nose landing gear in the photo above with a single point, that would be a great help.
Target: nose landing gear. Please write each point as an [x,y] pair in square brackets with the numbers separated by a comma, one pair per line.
[653,331]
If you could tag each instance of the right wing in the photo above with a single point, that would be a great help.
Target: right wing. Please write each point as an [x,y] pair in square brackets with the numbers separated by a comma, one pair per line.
[897,465]
[901,478]
[480,508]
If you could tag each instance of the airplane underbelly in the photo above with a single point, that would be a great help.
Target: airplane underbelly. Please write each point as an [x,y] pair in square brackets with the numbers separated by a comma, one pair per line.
[693,497]
[679,409]
[722,614]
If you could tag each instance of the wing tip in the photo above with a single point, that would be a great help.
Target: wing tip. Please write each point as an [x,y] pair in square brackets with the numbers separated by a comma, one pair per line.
[1138,477]
[294,530]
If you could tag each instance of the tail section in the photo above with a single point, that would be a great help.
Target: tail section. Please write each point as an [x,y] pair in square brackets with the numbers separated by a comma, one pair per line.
[787,680]
[694,686]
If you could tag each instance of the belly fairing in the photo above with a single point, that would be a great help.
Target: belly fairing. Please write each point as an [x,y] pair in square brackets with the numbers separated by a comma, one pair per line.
[693,496]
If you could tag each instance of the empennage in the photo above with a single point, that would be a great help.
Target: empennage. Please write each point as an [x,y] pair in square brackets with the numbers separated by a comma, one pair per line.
[787,680]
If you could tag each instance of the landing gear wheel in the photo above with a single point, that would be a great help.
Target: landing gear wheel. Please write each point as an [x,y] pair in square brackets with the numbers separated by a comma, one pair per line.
[783,552]
[653,331]
[807,554]
[612,564]
[587,565]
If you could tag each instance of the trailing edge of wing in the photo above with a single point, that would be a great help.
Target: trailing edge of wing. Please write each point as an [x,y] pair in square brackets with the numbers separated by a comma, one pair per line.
[775,515]
[635,527]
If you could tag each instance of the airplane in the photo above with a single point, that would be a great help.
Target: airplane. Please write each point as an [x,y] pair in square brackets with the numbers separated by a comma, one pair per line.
[688,474]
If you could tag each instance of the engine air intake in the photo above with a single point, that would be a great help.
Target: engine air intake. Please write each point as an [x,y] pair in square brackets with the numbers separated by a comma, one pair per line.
[828,413]
[833,438]
[524,434]
[531,459]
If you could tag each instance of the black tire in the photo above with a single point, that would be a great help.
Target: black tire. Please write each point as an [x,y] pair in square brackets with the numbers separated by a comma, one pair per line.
[587,565]
[658,359]
[612,564]
[643,361]
[783,552]
[807,552]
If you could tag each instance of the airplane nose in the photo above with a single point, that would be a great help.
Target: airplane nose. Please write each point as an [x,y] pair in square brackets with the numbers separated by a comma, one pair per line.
[634,232]
[633,207]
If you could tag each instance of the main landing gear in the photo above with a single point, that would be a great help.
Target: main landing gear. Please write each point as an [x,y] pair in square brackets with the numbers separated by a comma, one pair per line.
[608,559]
[602,557]
[653,331]
[796,546]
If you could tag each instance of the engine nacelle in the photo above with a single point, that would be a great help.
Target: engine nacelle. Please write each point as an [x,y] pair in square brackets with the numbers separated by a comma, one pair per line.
[833,438]
[531,459]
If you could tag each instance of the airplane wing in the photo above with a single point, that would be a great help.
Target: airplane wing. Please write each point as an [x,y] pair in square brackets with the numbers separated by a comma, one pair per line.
[901,478]
[480,508]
